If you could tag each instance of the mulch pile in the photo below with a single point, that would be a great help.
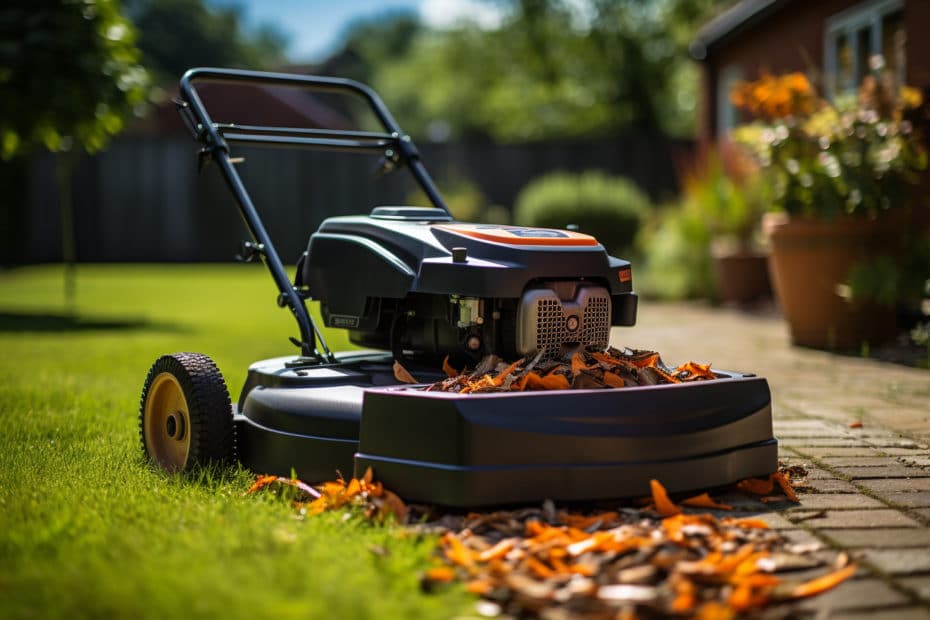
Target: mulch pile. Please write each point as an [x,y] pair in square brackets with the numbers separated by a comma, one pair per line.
[583,369]
[661,559]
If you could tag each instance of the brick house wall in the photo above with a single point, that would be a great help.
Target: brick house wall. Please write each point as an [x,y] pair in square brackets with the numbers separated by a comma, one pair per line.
[790,37]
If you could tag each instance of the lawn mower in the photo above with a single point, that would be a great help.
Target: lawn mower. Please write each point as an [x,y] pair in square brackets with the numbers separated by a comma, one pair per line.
[413,286]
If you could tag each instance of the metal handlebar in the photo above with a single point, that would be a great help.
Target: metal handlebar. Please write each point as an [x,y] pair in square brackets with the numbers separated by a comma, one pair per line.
[394,145]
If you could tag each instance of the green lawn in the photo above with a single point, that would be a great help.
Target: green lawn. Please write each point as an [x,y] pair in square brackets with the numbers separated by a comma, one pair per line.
[88,529]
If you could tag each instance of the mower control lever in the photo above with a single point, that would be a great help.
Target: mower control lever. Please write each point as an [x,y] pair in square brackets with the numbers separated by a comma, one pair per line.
[250,252]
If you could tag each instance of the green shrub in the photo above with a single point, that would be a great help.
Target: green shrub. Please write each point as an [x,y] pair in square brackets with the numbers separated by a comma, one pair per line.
[675,247]
[609,208]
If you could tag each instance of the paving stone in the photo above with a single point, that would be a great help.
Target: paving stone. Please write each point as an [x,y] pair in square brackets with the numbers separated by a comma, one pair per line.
[896,443]
[919,585]
[837,501]
[879,537]
[897,485]
[821,442]
[822,432]
[855,518]
[891,471]
[775,520]
[920,499]
[919,461]
[831,486]
[801,424]
[916,450]
[818,473]
[818,452]
[871,433]
[899,561]
[862,461]
[856,594]
[803,537]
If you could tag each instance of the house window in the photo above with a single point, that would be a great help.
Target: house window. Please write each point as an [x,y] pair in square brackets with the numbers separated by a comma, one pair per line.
[852,37]
[727,114]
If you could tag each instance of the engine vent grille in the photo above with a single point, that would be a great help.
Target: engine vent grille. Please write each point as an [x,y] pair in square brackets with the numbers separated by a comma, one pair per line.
[546,322]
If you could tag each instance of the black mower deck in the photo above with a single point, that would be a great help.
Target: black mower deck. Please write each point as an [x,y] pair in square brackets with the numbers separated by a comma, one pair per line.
[485,449]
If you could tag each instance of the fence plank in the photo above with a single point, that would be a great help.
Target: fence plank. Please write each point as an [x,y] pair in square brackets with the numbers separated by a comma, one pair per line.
[142,199]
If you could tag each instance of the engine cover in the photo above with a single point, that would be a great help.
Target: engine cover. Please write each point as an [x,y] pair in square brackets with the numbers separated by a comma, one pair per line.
[413,281]
[562,314]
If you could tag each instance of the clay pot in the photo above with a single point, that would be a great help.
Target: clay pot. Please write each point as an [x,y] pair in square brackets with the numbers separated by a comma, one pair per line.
[810,260]
[741,275]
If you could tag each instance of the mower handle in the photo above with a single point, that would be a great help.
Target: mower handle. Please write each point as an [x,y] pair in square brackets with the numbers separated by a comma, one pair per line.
[395,147]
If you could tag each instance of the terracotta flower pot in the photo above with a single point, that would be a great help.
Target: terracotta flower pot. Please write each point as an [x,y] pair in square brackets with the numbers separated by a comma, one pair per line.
[741,275]
[810,259]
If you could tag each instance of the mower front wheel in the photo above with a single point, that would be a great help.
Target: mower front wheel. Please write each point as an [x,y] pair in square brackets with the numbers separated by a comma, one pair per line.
[185,417]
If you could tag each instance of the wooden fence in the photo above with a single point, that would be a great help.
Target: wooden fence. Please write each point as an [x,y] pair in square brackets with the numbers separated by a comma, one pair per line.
[143,199]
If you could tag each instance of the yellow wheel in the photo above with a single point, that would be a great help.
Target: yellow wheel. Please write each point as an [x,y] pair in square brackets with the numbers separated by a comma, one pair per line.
[185,418]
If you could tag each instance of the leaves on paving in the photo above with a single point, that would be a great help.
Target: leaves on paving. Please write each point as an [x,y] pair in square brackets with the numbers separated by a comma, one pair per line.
[662,559]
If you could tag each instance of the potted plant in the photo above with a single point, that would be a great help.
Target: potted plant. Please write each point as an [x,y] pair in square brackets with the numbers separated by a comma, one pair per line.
[838,174]
[723,191]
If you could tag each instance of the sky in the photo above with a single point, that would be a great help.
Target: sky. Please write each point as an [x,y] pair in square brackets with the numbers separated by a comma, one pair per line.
[315,27]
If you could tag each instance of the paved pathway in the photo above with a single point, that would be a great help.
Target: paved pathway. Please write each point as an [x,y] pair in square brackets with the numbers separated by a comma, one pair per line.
[869,485]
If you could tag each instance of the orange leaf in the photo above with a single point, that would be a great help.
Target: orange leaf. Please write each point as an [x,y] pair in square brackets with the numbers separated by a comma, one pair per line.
[823,583]
[694,371]
[578,364]
[538,568]
[261,483]
[455,551]
[401,374]
[756,486]
[369,475]
[745,597]
[664,505]
[440,574]
[499,379]
[785,486]
[685,596]
[497,551]
[583,523]
[479,586]
[549,382]
[613,380]
[714,611]
[705,501]
[748,523]
[449,370]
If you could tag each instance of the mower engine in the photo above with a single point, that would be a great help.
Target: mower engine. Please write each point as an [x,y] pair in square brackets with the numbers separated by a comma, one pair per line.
[412,281]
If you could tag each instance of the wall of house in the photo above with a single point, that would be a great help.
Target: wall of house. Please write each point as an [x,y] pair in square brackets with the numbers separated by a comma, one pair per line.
[917,17]
[789,40]
[792,40]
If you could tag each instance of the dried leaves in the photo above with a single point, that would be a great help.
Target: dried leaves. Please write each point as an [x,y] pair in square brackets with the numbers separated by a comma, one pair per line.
[613,368]
[662,560]
[377,502]
[635,562]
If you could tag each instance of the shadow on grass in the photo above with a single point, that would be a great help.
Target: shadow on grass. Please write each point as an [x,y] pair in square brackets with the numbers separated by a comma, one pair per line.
[65,322]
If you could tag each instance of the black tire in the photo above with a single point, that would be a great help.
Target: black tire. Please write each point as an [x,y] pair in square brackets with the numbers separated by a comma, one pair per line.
[185,416]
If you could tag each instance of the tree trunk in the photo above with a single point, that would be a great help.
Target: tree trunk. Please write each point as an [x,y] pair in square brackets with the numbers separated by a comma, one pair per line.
[65,164]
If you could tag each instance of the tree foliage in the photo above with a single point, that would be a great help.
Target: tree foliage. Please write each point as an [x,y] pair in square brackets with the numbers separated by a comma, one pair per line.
[69,73]
[554,68]
[176,35]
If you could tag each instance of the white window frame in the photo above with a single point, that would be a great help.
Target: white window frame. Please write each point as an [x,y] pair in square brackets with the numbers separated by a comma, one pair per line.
[727,115]
[867,14]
